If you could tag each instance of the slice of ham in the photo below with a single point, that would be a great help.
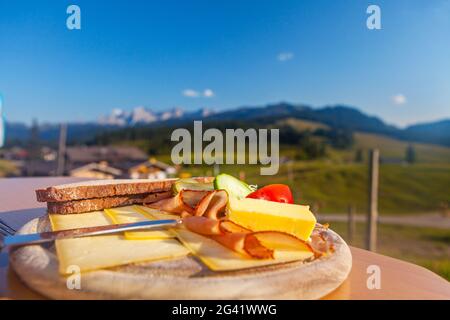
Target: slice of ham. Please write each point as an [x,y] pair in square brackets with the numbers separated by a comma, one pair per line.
[255,248]
[195,202]
[172,205]
[216,207]
[203,204]
[185,201]
[228,226]
[193,198]
[202,225]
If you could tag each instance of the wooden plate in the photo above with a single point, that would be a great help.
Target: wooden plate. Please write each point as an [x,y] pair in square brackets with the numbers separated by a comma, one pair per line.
[185,278]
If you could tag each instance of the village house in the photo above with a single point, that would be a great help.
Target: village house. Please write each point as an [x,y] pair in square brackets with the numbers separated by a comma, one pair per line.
[115,162]
[94,170]
[152,169]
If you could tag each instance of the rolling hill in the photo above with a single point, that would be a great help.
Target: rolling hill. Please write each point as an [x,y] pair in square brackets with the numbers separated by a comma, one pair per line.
[391,149]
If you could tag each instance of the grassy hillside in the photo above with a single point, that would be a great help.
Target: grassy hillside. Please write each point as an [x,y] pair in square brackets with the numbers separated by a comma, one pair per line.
[403,189]
[6,168]
[390,148]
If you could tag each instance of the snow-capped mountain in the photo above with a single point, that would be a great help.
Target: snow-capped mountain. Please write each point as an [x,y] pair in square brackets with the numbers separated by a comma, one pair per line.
[117,117]
[142,115]
[139,115]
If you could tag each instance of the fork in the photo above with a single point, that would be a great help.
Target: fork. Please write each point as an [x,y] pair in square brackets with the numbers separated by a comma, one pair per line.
[5,229]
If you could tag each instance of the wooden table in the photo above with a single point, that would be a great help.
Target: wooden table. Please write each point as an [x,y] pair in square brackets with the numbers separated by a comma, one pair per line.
[399,279]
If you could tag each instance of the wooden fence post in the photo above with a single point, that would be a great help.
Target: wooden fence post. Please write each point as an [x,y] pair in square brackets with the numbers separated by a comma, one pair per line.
[62,150]
[351,227]
[290,170]
[372,217]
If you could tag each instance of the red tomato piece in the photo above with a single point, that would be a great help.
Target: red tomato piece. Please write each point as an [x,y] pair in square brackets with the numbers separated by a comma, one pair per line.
[273,192]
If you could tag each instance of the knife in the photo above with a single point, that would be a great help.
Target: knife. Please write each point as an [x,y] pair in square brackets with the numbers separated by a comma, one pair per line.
[36,238]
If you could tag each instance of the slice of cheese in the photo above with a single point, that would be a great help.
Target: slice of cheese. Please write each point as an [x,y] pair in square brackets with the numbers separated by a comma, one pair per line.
[132,214]
[98,252]
[263,215]
[155,213]
[219,258]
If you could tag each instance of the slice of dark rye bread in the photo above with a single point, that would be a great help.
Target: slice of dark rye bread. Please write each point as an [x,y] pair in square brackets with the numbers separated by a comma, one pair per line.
[105,188]
[86,205]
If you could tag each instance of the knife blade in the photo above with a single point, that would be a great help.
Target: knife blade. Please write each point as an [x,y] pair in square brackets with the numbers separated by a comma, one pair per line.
[37,238]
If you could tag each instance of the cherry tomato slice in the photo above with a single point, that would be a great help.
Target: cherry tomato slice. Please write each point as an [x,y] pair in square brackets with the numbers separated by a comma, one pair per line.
[273,192]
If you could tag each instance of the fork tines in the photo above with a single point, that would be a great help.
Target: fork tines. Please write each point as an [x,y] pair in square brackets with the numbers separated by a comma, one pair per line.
[5,229]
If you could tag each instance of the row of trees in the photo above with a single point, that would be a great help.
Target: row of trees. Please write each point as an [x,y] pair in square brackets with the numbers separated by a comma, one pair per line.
[308,144]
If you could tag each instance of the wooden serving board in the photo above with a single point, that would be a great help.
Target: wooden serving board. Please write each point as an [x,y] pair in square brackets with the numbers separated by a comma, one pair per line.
[184,278]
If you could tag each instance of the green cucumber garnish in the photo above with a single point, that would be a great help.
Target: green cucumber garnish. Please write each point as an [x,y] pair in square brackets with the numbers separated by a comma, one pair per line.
[234,187]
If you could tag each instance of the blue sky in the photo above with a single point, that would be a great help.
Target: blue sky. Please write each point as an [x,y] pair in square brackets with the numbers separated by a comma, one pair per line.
[246,52]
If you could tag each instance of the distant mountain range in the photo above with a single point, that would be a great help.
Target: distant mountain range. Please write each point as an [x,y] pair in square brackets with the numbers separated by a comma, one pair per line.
[142,115]
[338,116]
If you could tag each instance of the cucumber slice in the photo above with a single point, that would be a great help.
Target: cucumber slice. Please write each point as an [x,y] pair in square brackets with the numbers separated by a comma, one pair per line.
[191,184]
[234,187]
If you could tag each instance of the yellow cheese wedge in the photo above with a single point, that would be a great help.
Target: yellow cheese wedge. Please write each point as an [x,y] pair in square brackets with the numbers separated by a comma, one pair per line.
[98,252]
[262,215]
[219,258]
[132,214]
